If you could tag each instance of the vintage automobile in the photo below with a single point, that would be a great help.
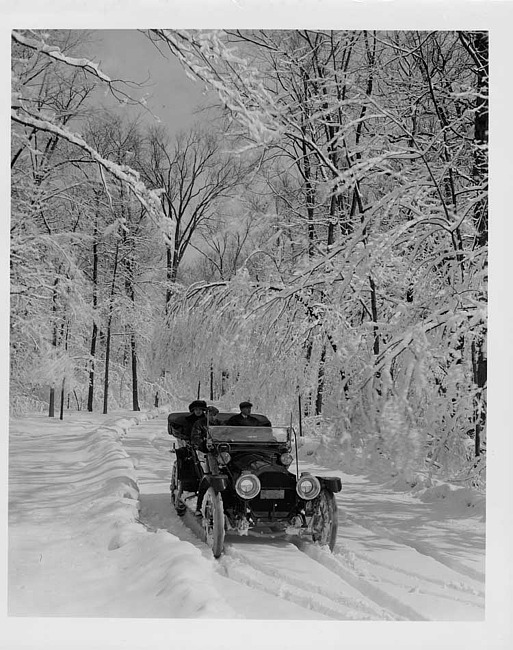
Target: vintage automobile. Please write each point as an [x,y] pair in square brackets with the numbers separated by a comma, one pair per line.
[249,489]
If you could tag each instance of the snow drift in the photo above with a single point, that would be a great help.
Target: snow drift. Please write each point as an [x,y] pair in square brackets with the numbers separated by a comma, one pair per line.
[76,547]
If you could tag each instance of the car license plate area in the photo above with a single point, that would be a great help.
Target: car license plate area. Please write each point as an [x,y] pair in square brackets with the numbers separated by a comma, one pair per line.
[272,494]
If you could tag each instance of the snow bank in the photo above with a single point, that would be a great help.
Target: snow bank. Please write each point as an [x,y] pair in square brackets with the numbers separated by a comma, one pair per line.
[76,546]
[325,447]
[458,496]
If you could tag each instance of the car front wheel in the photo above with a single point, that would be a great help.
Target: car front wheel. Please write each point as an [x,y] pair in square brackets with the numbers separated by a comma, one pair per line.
[325,520]
[213,521]
[176,492]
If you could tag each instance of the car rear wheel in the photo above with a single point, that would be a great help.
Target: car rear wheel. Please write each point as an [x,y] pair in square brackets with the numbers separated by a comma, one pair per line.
[213,521]
[176,492]
[325,520]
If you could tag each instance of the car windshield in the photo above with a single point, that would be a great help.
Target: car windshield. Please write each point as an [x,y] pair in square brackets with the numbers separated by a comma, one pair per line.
[249,434]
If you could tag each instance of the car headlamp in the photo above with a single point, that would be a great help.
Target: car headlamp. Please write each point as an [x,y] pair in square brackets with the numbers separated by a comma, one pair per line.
[225,457]
[308,487]
[247,486]
[286,459]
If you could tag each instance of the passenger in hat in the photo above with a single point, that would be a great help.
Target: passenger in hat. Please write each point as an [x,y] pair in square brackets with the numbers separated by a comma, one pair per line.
[244,418]
[197,410]
[198,405]
[200,426]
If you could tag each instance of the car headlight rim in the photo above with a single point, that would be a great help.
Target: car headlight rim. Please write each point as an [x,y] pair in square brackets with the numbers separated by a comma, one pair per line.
[247,486]
[308,487]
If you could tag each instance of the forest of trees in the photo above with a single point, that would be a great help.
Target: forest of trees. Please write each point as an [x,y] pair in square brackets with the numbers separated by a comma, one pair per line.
[322,235]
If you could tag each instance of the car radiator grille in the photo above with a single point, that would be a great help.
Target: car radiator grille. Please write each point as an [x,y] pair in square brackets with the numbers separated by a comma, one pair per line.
[275,480]
[277,497]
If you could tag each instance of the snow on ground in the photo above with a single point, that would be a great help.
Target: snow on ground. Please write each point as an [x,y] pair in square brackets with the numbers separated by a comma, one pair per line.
[92,534]
[76,547]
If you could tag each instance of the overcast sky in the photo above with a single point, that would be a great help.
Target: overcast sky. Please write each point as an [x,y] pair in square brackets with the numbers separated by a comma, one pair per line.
[171,95]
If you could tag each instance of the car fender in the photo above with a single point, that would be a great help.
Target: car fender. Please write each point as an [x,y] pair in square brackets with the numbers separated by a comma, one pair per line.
[331,483]
[217,481]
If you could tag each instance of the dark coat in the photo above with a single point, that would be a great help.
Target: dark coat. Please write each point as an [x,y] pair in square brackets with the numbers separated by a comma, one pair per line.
[186,428]
[199,431]
[240,421]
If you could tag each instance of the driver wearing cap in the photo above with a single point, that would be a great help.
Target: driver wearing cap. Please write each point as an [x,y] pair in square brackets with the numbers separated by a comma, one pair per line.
[244,418]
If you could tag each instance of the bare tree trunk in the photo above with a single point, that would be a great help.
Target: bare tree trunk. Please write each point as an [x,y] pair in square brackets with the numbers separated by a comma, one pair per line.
[479,364]
[169,274]
[107,365]
[320,382]
[479,370]
[94,335]
[135,390]
[225,377]
[90,392]
[61,415]
[109,336]
[65,329]
[374,309]
[129,286]
[51,401]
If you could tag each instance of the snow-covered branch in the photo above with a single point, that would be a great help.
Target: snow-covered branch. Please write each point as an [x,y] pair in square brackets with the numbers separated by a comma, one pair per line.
[149,199]
[54,52]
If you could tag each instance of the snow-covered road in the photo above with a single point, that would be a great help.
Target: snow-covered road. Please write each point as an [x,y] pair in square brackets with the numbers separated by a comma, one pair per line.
[396,558]
[92,534]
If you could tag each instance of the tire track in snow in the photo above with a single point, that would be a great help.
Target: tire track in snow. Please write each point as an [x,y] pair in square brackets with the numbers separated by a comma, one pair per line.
[385,600]
[350,555]
[423,548]
[335,563]
[333,602]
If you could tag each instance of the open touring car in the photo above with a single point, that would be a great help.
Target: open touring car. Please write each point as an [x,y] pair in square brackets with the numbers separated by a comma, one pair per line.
[248,488]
